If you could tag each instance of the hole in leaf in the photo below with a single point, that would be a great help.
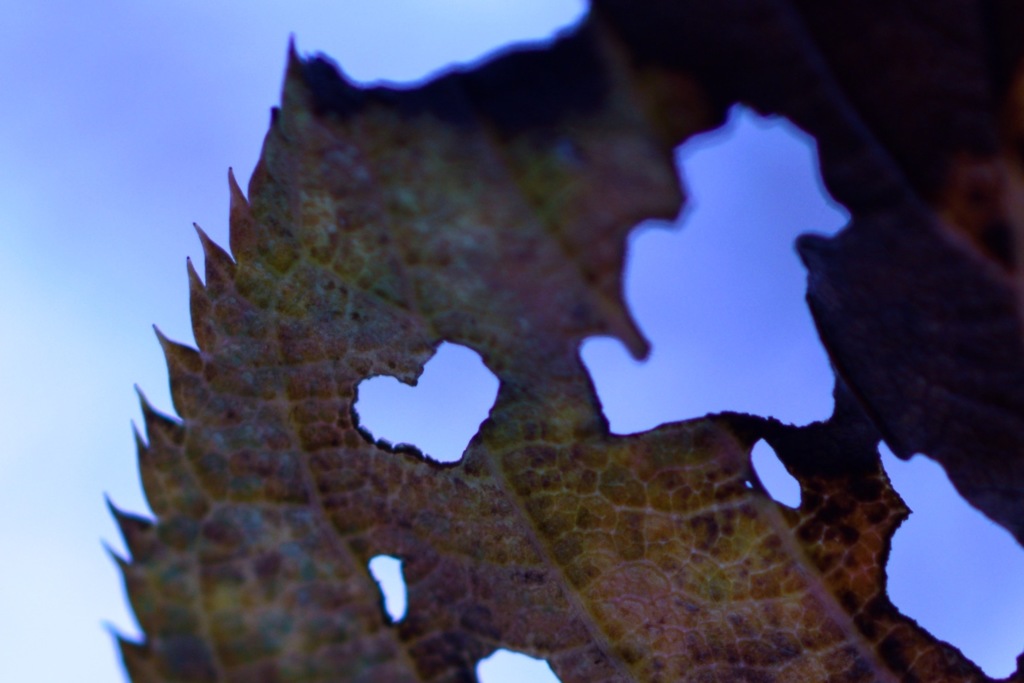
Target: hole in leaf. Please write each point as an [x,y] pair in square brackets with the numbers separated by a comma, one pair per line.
[387,572]
[953,570]
[722,298]
[780,484]
[506,666]
[441,413]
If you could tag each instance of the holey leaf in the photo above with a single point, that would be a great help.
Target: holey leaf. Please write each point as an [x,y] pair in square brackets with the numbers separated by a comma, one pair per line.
[918,111]
[490,209]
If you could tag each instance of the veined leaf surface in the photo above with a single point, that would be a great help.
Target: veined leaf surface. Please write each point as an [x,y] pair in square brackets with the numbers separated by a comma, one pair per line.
[490,208]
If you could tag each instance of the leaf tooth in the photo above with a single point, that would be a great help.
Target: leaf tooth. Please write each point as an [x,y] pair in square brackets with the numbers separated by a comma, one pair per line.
[162,431]
[171,487]
[138,660]
[141,447]
[294,67]
[194,281]
[220,267]
[242,237]
[138,533]
[185,366]
[149,472]
[118,559]
[144,604]
[181,358]
[200,310]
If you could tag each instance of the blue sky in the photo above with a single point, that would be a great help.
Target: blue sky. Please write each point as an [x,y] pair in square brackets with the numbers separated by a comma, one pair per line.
[119,122]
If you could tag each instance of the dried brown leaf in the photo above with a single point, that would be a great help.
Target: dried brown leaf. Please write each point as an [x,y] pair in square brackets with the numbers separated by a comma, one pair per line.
[917,111]
[490,209]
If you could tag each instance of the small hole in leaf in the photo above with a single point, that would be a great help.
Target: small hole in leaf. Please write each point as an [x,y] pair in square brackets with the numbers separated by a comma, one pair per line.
[506,666]
[722,297]
[780,484]
[953,570]
[387,572]
[441,413]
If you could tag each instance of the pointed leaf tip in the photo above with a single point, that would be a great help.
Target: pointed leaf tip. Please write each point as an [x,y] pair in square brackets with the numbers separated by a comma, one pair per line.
[148,409]
[149,464]
[140,443]
[236,190]
[203,237]
[137,659]
[121,562]
[123,517]
[215,256]
[201,307]
[161,337]
[196,287]
[181,359]
[161,429]
[112,629]
[294,67]
[242,235]
[136,532]
[219,271]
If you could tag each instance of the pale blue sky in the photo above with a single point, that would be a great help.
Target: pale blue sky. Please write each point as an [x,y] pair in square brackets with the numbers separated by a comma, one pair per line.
[118,124]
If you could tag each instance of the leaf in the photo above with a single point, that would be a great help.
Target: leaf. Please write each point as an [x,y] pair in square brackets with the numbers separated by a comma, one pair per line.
[490,208]
[918,111]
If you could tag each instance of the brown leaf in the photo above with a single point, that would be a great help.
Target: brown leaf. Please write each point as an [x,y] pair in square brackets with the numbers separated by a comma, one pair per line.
[918,110]
[489,209]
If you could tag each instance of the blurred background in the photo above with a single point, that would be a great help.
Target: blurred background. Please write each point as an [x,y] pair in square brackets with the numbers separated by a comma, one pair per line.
[118,123]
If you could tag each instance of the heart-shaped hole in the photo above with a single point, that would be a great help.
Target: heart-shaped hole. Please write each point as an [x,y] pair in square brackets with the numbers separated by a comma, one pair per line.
[441,413]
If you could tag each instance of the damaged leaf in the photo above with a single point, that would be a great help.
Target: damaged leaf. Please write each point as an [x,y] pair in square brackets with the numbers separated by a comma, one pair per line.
[490,209]
[918,113]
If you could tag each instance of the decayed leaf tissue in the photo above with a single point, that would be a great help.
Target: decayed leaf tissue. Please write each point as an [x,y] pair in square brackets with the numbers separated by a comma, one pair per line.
[490,208]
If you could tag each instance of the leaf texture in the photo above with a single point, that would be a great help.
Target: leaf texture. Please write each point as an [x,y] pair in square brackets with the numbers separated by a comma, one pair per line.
[490,208]
[917,111]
